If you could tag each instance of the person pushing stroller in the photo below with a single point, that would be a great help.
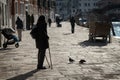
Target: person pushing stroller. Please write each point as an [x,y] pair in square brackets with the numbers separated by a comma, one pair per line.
[11,38]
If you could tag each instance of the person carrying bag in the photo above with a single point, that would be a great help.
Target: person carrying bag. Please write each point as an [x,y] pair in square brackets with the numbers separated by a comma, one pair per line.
[39,33]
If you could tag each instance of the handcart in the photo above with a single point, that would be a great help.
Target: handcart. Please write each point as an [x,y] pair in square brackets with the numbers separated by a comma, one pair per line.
[99,26]
[101,29]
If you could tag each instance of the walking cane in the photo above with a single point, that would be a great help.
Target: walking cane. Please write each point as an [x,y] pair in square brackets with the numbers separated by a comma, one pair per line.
[50,58]
[47,61]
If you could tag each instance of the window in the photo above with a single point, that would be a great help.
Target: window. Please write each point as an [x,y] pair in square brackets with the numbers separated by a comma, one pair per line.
[80,10]
[73,10]
[88,4]
[85,4]
[94,4]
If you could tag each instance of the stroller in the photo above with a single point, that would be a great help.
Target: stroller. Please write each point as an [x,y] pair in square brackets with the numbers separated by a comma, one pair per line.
[11,38]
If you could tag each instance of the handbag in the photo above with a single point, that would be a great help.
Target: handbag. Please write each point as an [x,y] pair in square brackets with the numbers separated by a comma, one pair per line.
[33,33]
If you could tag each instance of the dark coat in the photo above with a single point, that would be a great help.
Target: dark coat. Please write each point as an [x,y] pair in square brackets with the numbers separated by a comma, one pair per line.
[72,21]
[49,21]
[32,19]
[42,37]
[19,23]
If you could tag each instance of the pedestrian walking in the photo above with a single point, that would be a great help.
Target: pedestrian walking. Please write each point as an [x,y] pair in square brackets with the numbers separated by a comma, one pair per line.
[32,21]
[27,21]
[41,39]
[49,22]
[72,21]
[19,27]
[57,21]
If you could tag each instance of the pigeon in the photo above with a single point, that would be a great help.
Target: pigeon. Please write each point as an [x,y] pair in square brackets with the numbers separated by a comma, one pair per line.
[82,61]
[71,60]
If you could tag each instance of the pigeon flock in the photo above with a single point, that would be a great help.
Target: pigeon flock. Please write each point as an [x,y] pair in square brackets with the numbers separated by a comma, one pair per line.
[82,61]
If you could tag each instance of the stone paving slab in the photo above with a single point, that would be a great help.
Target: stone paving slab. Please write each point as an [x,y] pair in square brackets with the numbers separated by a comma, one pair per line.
[103,59]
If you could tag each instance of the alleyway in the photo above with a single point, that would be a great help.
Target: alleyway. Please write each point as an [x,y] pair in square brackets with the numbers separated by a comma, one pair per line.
[103,60]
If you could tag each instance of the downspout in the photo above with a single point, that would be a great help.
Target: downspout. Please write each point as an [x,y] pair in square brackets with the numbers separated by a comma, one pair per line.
[0,24]
[13,14]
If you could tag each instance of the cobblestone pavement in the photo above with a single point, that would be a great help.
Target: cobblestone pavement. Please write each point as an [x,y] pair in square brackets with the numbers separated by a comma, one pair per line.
[102,59]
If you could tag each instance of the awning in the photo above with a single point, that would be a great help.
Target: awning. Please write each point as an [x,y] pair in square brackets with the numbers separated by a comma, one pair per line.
[3,1]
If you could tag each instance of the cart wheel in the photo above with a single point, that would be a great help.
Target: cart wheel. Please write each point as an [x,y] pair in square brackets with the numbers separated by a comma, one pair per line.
[91,39]
[17,45]
[105,39]
[5,45]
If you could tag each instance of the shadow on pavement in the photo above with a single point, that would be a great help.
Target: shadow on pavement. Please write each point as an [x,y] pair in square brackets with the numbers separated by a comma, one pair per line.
[3,50]
[24,76]
[66,33]
[6,49]
[88,43]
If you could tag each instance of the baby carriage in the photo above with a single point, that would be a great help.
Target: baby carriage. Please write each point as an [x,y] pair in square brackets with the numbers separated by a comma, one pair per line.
[11,38]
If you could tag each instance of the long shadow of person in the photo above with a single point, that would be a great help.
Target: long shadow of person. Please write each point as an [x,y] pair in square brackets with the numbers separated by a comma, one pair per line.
[66,33]
[24,76]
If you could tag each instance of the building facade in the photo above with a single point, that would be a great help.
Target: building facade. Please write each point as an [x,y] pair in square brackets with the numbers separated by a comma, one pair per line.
[9,10]
[73,7]
[113,11]
[61,8]
[103,3]
[3,17]
[87,5]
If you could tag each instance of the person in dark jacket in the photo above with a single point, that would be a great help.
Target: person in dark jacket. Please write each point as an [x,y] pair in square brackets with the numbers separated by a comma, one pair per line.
[72,21]
[32,20]
[19,27]
[41,40]
[49,22]
[27,21]
[57,21]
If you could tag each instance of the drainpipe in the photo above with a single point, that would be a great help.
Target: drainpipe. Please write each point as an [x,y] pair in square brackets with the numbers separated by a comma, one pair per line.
[0,24]
[13,14]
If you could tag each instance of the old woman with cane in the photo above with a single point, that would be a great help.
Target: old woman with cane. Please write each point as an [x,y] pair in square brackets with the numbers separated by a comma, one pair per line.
[41,38]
